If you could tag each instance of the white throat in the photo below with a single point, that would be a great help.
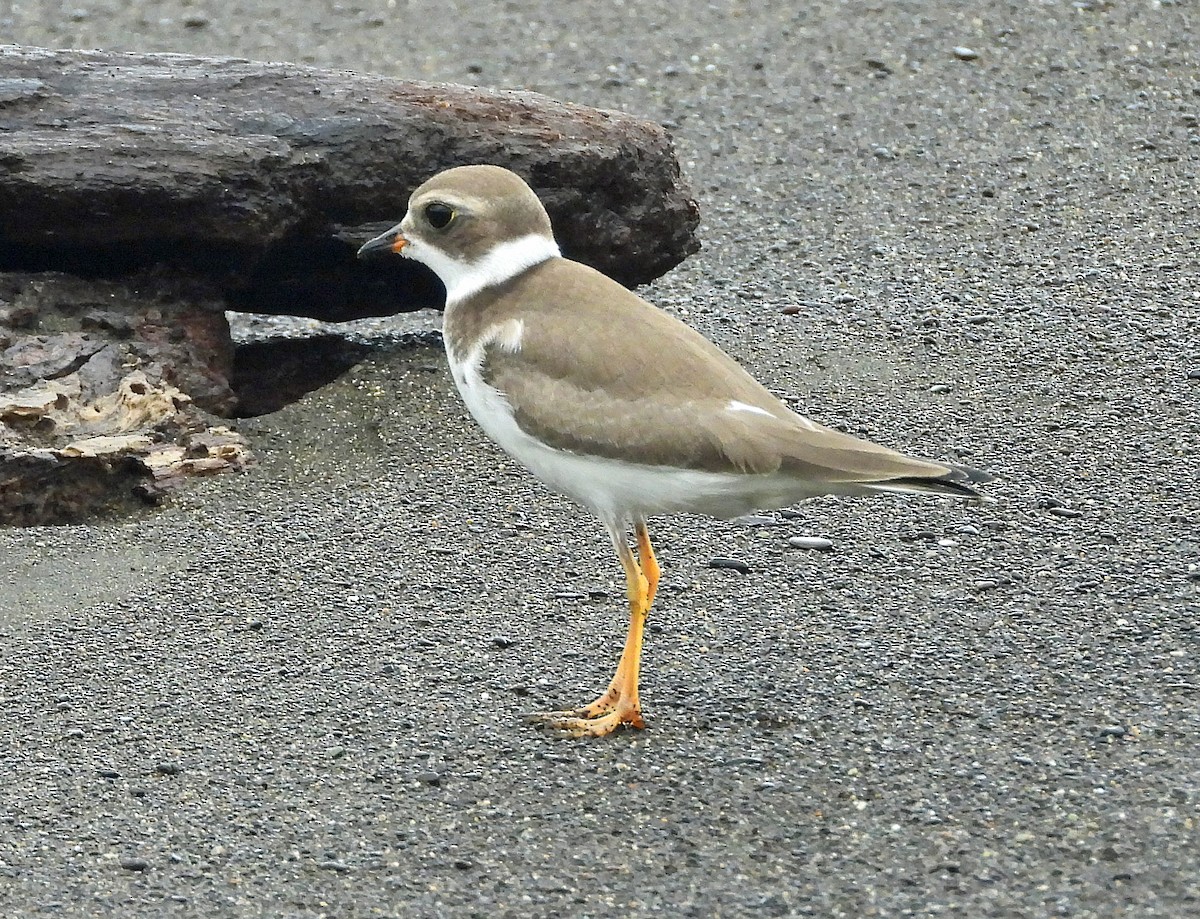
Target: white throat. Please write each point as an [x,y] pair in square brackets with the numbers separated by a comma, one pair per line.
[501,263]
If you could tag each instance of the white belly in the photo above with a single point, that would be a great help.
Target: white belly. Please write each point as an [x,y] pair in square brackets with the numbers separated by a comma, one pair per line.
[614,490]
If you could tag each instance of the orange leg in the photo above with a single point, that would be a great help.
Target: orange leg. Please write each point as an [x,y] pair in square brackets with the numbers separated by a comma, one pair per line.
[619,704]
[648,571]
[649,562]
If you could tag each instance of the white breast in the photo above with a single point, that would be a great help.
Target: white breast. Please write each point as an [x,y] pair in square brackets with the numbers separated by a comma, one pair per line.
[614,490]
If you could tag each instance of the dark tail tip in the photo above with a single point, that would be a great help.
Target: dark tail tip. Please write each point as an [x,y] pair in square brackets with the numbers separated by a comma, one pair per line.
[960,480]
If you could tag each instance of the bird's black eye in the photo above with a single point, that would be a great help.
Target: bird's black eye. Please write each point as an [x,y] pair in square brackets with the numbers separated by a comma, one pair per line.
[439,215]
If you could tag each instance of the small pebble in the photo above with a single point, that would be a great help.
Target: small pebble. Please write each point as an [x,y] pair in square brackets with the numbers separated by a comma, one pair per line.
[755,520]
[1194,374]
[1112,730]
[500,641]
[168,768]
[940,388]
[109,774]
[965,54]
[820,543]
[986,620]
[132,863]
[733,564]
[432,779]
[1068,512]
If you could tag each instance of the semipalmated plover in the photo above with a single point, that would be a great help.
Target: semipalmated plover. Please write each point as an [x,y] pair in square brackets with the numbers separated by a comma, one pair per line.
[613,402]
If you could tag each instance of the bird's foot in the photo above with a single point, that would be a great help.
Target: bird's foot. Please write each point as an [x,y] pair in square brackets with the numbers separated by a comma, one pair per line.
[607,702]
[592,720]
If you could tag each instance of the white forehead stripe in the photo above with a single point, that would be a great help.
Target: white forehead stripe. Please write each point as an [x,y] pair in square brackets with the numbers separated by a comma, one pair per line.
[501,263]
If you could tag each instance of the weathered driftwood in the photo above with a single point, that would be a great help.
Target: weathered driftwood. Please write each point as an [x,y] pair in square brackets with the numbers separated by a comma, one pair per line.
[107,396]
[265,178]
[142,195]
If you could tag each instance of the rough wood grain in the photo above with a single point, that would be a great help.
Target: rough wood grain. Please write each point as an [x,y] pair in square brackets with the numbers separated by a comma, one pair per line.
[142,195]
[265,178]
[107,395]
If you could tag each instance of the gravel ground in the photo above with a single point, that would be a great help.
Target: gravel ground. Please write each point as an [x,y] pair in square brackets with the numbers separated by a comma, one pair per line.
[298,692]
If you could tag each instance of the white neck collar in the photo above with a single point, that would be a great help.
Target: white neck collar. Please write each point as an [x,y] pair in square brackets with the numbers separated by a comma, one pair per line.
[503,262]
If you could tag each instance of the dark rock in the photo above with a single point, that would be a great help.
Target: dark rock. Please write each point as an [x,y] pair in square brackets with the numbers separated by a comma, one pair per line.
[1068,512]
[733,564]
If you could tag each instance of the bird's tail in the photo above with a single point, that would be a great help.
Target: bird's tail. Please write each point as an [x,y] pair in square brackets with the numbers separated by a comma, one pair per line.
[957,480]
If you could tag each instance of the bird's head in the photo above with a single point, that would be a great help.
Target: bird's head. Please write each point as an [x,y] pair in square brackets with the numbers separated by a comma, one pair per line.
[474,226]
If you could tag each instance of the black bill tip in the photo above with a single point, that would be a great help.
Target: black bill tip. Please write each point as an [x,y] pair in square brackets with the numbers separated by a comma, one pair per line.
[383,244]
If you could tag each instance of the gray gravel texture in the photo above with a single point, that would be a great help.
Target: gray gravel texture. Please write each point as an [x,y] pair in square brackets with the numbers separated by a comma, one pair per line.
[298,692]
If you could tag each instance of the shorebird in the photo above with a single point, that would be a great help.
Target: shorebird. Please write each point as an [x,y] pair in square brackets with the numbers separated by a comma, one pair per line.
[613,402]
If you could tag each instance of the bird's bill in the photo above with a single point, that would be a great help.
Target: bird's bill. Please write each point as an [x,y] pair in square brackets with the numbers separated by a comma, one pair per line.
[391,241]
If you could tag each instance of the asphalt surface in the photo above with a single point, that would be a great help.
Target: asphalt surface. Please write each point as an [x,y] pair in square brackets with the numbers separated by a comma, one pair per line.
[299,692]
